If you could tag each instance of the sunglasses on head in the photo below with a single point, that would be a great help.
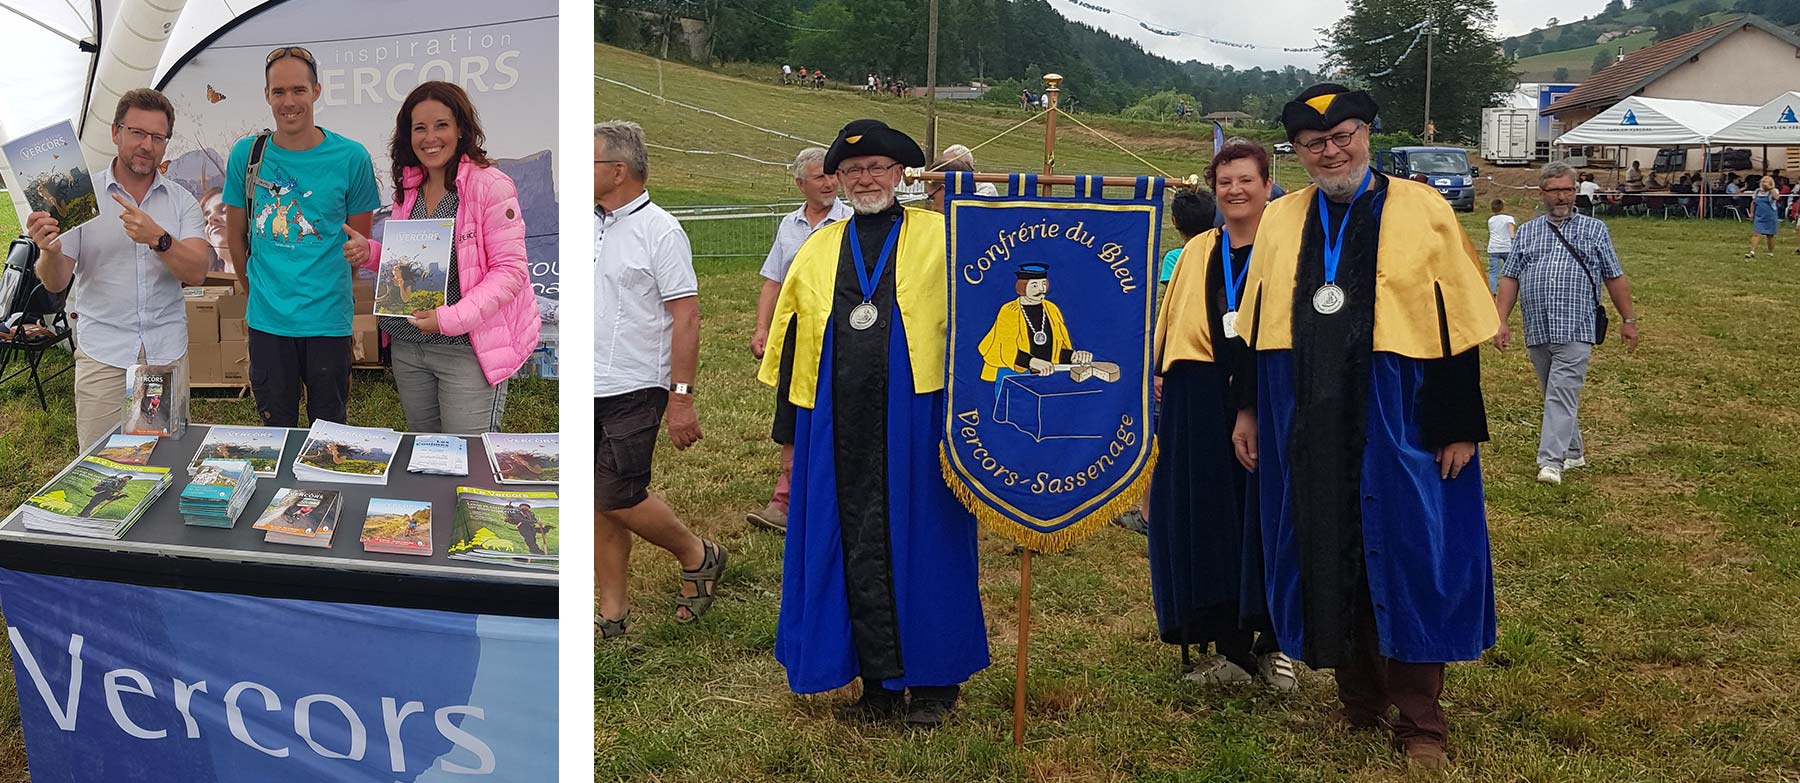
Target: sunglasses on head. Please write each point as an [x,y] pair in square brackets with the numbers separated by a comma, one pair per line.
[290,51]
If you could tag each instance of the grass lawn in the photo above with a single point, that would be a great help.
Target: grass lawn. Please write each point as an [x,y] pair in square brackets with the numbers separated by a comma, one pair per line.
[35,444]
[1646,623]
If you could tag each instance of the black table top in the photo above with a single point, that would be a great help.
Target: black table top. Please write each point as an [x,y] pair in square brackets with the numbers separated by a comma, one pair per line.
[162,550]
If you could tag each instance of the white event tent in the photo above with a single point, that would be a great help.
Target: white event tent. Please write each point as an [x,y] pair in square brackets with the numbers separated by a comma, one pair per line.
[1774,124]
[1655,122]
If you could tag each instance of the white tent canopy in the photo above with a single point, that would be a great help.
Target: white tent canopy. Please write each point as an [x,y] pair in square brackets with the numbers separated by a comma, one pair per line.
[1655,122]
[1774,124]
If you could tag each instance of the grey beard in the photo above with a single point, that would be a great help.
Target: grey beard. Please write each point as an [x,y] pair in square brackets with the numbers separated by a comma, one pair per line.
[1343,189]
[872,206]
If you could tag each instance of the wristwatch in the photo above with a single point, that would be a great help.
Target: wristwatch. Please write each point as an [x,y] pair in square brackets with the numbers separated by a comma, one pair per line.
[163,243]
[682,388]
[1632,321]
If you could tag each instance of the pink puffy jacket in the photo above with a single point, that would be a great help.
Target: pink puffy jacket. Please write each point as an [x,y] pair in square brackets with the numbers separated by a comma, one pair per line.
[498,310]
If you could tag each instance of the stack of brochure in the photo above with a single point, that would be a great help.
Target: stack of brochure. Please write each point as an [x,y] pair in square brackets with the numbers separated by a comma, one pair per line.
[306,517]
[341,453]
[215,496]
[96,498]
[439,455]
[399,527]
[260,446]
[509,528]
[522,458]
[128,449]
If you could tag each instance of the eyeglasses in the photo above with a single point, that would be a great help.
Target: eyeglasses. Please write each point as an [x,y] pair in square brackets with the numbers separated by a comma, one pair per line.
[1341,139]
[874,170]
[1558,191]
[139,136]
[291,51]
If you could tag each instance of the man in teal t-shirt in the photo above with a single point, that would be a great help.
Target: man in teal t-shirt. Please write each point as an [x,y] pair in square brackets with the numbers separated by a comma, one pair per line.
[311,185]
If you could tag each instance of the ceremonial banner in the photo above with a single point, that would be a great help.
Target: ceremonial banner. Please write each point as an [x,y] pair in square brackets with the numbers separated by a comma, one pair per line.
[122,682]
[1048,432]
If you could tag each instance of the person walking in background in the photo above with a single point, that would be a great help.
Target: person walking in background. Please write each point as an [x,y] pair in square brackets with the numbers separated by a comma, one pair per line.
[822,208]
[646,353]
[1559,264]
[451,364]
[1501,228]
[1765,216]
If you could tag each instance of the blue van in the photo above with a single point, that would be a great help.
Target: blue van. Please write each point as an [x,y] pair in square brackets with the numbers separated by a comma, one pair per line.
[1445,168]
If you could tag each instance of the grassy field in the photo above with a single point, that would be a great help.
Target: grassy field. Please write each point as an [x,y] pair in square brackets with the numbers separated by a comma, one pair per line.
[1646,623]
[35,444]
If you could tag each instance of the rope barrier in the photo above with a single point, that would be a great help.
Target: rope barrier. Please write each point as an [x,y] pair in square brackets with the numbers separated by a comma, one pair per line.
[704,110]
[713,152]
[1158,169]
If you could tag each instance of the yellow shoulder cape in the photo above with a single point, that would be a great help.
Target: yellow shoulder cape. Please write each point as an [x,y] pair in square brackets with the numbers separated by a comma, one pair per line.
[919,288]
[1184,323]
[1011,336]
[1426,274]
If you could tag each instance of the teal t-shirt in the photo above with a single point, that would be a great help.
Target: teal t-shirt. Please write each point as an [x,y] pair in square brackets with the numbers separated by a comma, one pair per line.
[299,280]
[1168,265]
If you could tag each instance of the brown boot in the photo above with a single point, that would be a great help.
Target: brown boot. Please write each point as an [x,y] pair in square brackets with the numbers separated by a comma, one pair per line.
[1426,756]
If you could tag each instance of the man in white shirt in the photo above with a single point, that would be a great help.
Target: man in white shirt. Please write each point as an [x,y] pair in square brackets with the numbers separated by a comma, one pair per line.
[1501,228]
[822,208]
[646,351]
[127,265]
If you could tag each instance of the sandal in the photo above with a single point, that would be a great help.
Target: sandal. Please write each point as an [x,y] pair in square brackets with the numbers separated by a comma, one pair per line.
[704,579]
[612,628]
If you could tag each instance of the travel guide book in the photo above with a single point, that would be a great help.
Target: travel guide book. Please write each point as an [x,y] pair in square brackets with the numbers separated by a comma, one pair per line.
[301,516]
[128,449]
[508,528]
[217,494]
[96,498]
[259,446]
[415,266]
[56,180]
[401,527]
[354,455]
[154,404]
[439,455]
[522,458]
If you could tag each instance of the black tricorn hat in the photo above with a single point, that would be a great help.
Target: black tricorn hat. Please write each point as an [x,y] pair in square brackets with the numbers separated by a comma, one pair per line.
[1322,106]
[872,137]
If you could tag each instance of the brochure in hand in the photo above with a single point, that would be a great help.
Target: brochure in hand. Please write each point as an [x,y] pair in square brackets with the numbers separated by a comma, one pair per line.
[401,527]
[128,449]
[96,498]
[439,455]
[415,266]
[509,528]
[217,494]
[260,446]
[306,517]
[55,178]
[523,458]
[353,455]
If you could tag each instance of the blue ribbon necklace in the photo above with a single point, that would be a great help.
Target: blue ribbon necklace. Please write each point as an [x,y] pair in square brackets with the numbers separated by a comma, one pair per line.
[1330,298]
[864,315]
[1234,282]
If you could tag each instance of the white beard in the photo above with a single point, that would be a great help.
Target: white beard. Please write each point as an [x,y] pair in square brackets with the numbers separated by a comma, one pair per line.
[869,205]
[1342,189]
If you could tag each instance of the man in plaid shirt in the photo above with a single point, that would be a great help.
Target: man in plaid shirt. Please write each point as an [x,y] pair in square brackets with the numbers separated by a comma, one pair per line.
[1559,291]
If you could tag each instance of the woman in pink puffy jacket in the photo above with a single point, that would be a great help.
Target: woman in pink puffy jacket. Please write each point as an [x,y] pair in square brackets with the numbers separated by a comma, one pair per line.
[451,363]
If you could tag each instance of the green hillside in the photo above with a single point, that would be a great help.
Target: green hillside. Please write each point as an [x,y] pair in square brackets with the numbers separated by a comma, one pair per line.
[1580,60]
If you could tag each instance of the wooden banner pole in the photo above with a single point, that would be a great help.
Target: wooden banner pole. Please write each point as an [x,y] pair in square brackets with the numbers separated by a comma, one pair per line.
[1024,648]
[1053,91]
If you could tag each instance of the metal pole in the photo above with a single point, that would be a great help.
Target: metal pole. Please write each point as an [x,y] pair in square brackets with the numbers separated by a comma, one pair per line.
[1024,645]
[931,43]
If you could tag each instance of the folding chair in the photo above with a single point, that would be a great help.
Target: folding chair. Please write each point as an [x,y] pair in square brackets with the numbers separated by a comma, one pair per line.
[24,303]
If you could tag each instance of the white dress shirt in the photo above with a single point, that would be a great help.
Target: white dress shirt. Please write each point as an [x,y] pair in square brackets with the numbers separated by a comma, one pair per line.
[642,262]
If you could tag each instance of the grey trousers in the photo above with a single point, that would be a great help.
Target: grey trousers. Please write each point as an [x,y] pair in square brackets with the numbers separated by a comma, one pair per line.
[442,389]
[1561,371]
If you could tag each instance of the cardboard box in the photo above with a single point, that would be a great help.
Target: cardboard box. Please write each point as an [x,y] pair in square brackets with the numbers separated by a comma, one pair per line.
[203,365]
[234,362]
[203,321]
[232,329]
[365,339]
[363,292]
[231,306]
[206,291]
[226,279]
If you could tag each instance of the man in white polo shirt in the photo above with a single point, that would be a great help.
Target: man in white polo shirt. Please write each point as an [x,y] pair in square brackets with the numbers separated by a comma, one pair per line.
[822,208]
[646,350]
[127,265]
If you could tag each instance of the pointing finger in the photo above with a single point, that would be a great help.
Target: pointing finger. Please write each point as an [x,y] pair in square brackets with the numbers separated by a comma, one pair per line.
[123,203]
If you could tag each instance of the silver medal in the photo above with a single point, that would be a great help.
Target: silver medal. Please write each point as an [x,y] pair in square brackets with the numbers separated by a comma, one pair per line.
[1328,299]
[1038,338]
[863,316]
[1229,321]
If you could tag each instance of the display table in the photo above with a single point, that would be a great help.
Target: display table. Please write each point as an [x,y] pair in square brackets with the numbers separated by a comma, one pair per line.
[204,654]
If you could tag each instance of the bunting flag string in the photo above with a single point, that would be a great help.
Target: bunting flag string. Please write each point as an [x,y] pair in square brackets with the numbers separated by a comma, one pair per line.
[1159,28]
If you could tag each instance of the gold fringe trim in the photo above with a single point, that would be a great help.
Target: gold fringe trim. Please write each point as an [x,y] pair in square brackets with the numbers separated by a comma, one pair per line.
[1068,536]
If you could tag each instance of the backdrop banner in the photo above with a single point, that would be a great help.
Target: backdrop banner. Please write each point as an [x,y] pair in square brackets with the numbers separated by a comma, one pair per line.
[1048,432]
[125,682]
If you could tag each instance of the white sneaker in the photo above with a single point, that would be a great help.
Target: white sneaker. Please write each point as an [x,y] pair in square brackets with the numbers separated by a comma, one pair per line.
[1218,671]
[1549,475]
[1277,671]
[1578,462]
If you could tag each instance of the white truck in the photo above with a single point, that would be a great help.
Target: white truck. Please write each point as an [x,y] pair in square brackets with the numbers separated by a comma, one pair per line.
[1509,136]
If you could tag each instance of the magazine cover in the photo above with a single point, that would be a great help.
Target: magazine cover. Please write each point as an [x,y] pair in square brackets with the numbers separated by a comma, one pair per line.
[128,449]
[523,524]
[415,266]
[217,479]
[443,455]
[523,458]
[259,446]
[300,512]
[49,167]
[398,525]
[151,404]
[96,488]
[356,451]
